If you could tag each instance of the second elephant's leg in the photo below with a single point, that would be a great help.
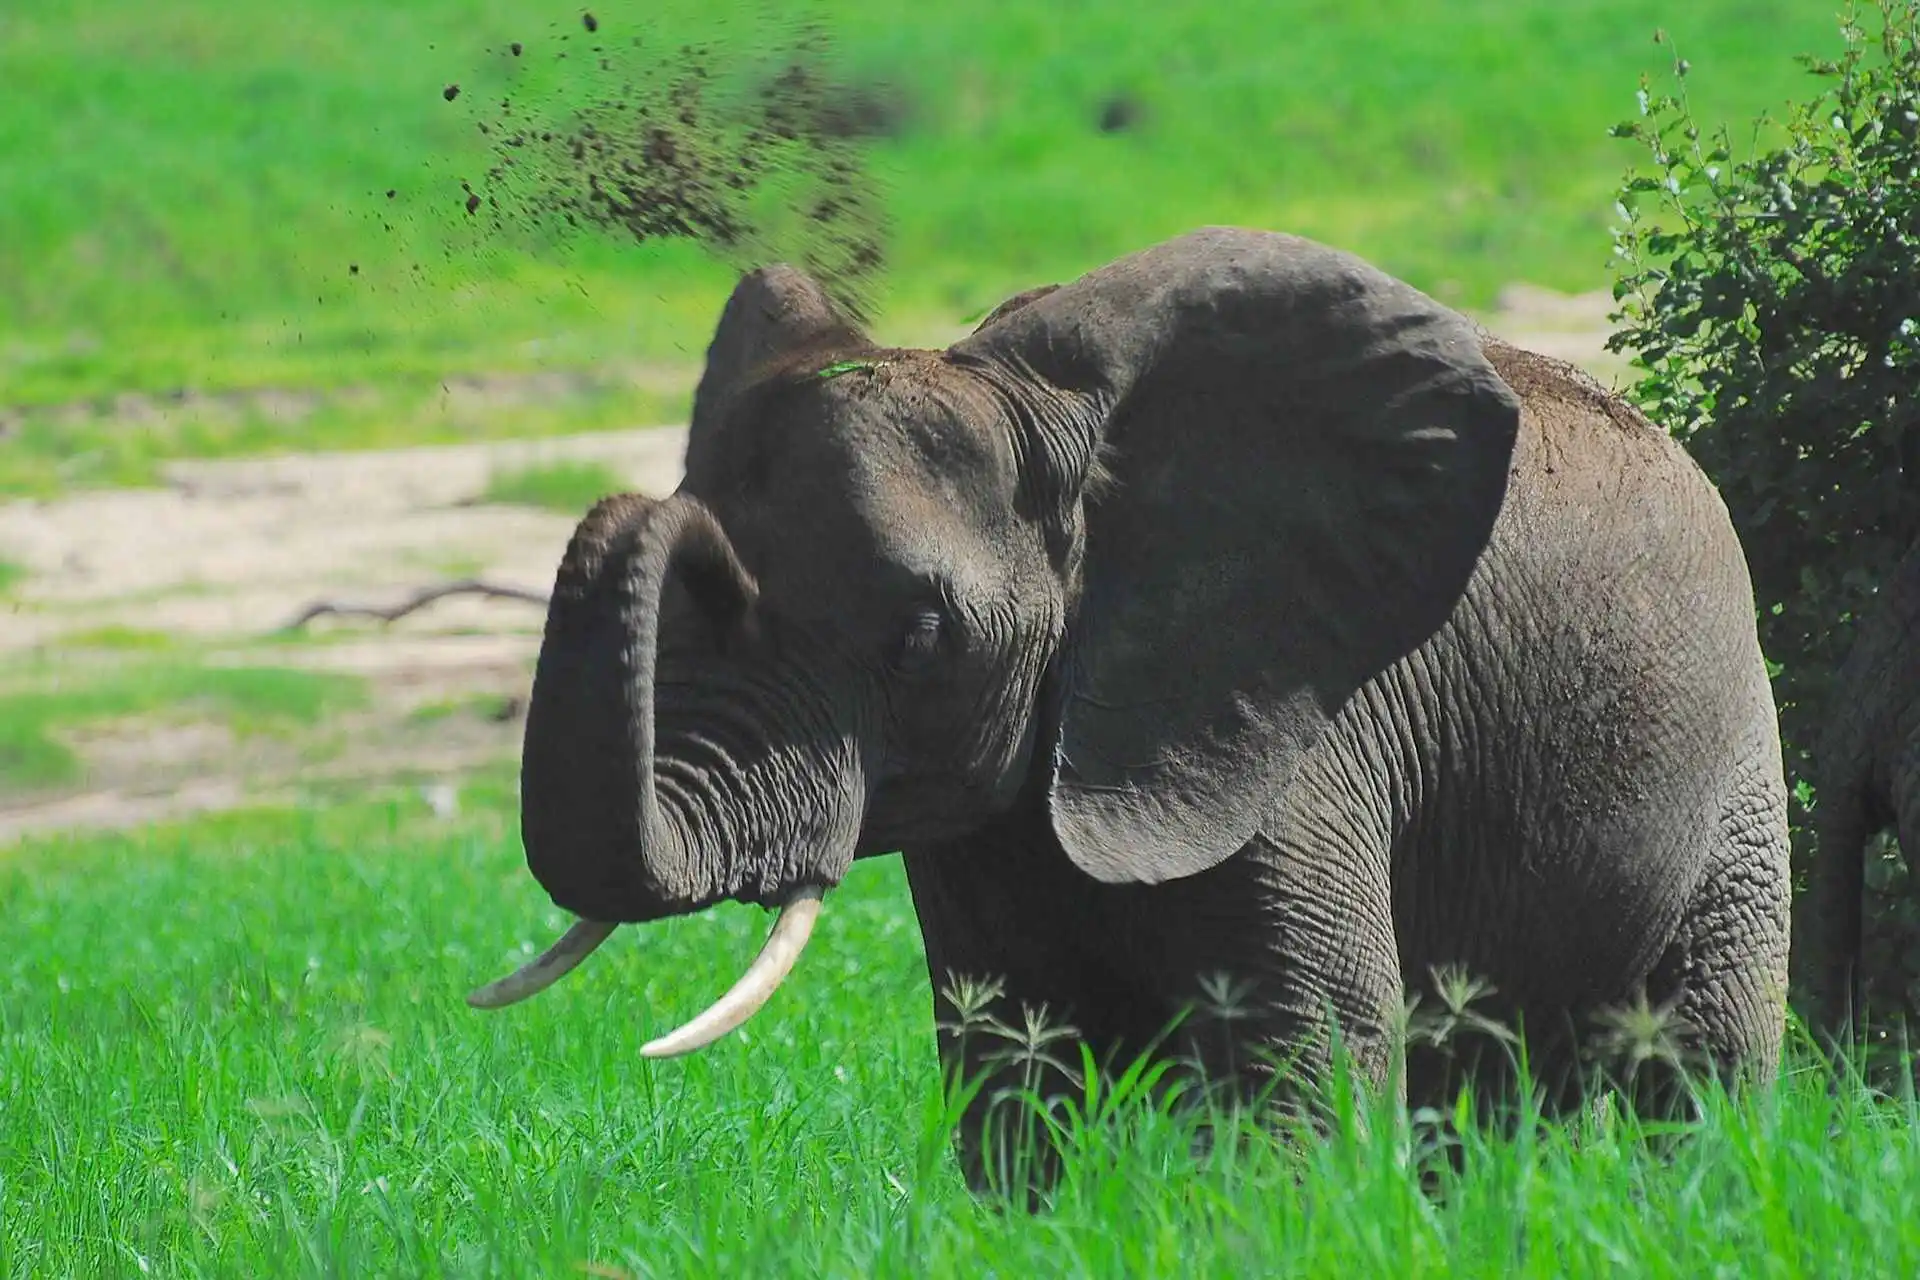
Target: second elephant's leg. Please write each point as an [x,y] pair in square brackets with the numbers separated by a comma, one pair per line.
[1904,783]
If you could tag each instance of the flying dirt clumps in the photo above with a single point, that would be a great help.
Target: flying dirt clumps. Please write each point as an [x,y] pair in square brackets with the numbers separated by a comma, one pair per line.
[757,156]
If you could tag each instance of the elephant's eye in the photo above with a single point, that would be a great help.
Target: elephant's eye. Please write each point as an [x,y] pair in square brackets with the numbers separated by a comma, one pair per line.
[920,642]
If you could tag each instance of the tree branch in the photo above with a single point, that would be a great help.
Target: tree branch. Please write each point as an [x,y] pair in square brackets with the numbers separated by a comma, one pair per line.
[413,603]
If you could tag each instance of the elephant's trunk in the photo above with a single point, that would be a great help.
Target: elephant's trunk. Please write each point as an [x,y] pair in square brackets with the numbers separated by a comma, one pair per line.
[685,540]
[670,762]
[598,838]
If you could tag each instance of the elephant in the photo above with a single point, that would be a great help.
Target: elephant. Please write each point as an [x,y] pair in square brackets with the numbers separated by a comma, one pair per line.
[1235,608]
[1867,761]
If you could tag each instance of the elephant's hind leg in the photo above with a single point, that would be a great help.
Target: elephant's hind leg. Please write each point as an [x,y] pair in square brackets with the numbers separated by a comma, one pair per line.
[1723,979]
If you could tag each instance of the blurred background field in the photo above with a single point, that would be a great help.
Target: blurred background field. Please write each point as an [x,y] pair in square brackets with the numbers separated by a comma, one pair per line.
[198,256]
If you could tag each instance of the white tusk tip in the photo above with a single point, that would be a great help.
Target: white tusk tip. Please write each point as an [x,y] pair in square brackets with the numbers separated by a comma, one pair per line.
[755,987]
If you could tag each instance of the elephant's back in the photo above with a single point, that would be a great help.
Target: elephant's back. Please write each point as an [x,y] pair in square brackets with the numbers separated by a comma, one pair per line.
[1544,383]
[1595,486]
[1575,432]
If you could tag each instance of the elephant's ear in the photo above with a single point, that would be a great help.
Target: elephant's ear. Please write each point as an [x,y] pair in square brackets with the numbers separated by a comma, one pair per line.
[1014,303]
[1307,459]
[774,314]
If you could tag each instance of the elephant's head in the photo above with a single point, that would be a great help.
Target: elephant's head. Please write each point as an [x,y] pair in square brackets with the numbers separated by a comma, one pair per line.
[1131,543]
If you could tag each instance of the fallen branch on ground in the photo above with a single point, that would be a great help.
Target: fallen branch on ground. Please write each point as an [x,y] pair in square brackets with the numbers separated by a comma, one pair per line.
[413,603]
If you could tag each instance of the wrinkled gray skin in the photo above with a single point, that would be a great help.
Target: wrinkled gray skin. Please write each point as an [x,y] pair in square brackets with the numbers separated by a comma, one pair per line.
[1869,782]
[1235,608]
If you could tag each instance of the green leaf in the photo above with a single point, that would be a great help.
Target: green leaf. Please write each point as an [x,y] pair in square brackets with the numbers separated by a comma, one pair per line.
[845,366]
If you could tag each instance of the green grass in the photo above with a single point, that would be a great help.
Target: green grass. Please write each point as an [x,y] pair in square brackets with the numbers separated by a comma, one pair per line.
[11,576]
[567,486]
[118,638]
[187,187]
[489,706]
[63,695]
[53,451]
[238,1047]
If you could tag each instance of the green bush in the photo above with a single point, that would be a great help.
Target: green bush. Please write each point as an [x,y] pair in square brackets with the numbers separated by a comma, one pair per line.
[1773,307]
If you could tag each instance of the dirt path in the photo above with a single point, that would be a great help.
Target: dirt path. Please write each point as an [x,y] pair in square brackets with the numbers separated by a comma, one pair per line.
[229,551]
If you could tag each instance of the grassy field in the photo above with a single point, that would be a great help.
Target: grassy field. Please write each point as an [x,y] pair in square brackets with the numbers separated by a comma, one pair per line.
[569,487]
[193,208]
[238,1047]
[39,701]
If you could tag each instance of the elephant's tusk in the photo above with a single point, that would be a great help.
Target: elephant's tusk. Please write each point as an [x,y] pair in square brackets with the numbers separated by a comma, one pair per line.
[535,976]
[769,969]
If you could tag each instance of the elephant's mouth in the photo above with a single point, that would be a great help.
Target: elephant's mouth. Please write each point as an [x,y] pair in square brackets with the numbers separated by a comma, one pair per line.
[788,938]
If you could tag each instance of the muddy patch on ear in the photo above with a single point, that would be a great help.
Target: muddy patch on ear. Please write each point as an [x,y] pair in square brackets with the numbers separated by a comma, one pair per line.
[758,155]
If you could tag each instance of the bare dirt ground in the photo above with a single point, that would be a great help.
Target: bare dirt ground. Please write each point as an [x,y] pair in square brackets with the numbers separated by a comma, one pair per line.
[227,552]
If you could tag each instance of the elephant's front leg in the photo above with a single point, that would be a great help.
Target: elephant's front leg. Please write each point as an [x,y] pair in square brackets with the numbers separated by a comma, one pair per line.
[1011,972]
[1255,959]
[1281,956]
